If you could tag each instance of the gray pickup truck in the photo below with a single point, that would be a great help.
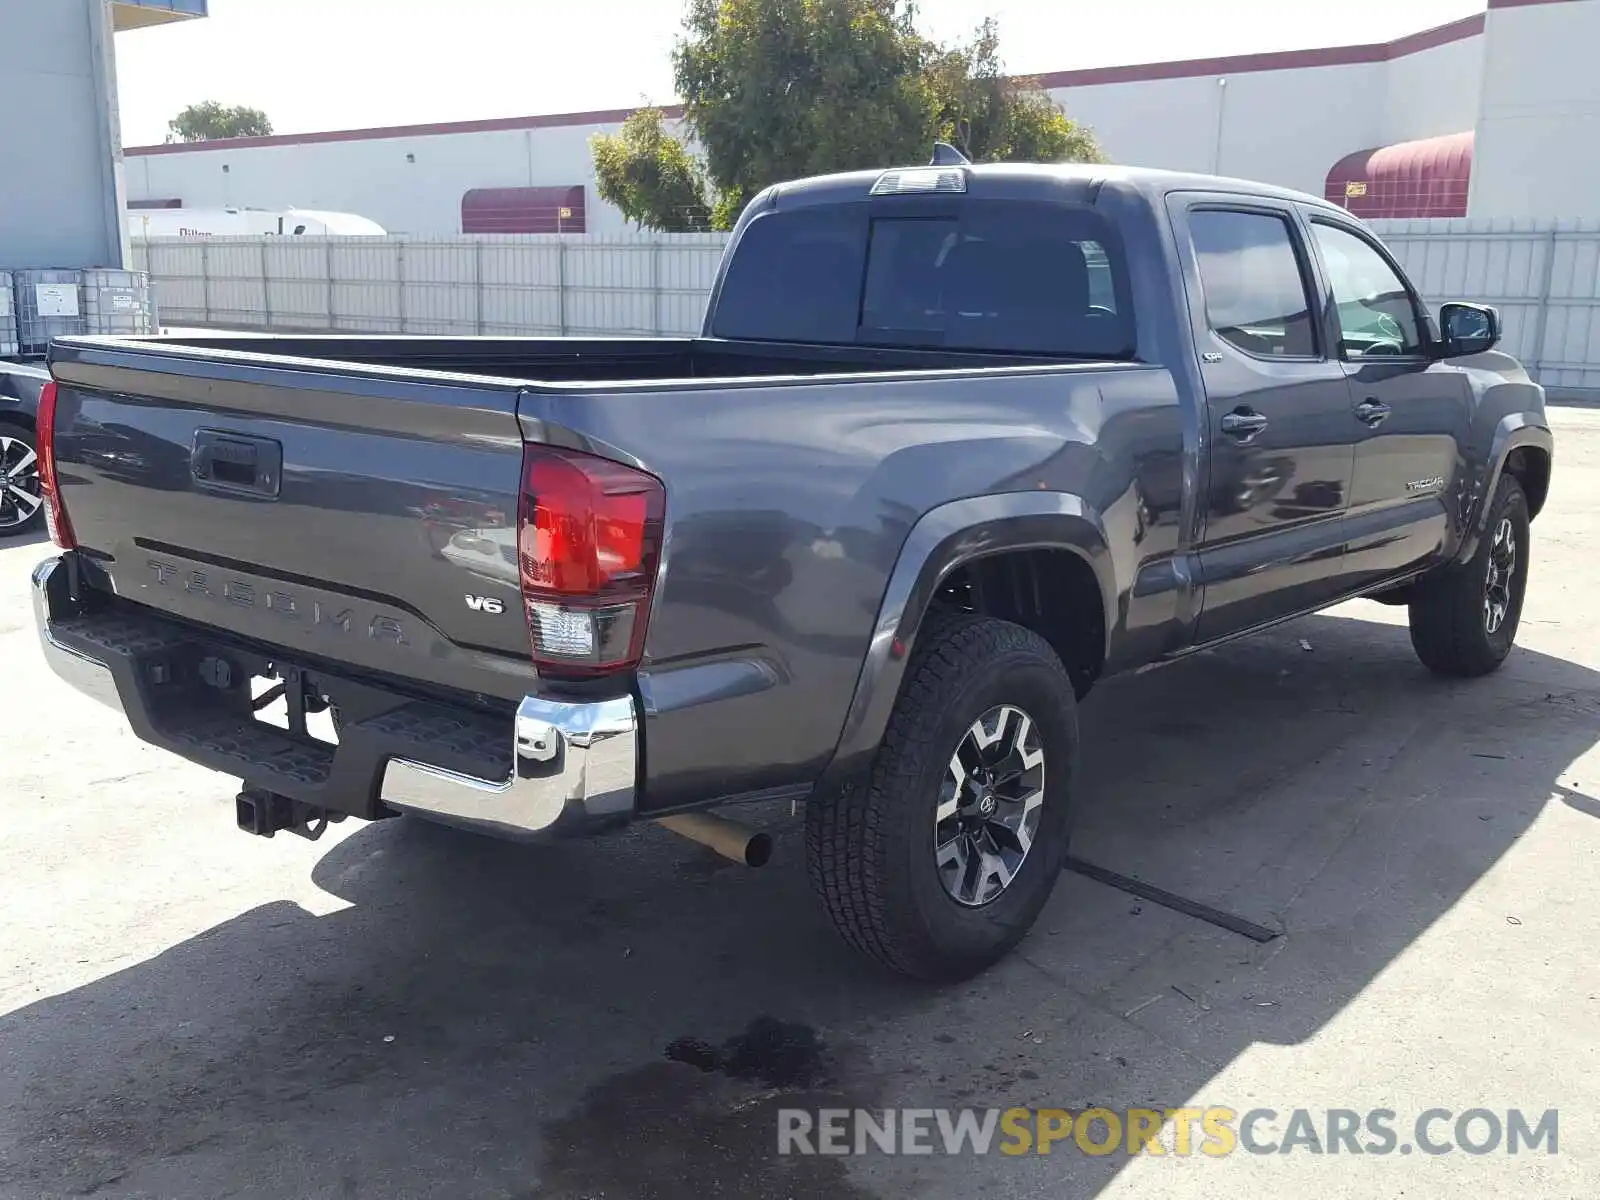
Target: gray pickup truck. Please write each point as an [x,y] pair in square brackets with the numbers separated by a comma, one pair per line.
[956,443]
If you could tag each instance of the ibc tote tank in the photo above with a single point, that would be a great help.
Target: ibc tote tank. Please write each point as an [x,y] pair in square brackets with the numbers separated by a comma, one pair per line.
[116,302]
[49,305]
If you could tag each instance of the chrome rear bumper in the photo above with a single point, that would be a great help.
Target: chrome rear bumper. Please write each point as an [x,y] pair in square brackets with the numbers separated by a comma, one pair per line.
[557,768]
[89,675]
[571,764]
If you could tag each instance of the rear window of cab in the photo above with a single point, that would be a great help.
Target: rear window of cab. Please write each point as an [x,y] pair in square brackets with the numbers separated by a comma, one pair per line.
[1006,276]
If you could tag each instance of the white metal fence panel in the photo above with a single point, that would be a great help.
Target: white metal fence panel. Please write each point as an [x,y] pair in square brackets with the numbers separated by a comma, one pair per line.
[521,287]
[686,269]
[367,292]
[236,288]
[642,284]
[441,287]
[298,284]
[177,279]
[1543,276]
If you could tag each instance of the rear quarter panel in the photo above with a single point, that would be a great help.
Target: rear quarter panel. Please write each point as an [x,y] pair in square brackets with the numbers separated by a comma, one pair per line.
[788,504]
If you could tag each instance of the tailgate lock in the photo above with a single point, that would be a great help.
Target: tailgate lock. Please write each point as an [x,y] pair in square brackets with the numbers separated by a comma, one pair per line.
[236,463]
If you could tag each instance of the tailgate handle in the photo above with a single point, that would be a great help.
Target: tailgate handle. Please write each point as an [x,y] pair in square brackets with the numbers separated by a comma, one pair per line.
[236,463]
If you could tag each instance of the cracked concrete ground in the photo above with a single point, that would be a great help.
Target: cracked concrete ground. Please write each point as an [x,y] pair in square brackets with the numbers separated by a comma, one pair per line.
[404,1011]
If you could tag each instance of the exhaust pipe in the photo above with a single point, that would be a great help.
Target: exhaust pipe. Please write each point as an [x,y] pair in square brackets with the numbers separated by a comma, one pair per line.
[749,847]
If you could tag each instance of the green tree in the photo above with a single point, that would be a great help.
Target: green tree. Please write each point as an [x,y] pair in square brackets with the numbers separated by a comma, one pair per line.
[210,121]
[651,175]
[780,89]
[777,89]
[993,117]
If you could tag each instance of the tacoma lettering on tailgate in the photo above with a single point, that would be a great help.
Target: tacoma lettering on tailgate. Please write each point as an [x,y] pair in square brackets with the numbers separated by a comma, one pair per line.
[313,613]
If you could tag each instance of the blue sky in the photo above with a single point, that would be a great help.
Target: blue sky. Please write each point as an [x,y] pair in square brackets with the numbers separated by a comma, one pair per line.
[335,64]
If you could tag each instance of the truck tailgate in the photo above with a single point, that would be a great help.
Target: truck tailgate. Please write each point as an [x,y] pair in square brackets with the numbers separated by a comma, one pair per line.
[357,514]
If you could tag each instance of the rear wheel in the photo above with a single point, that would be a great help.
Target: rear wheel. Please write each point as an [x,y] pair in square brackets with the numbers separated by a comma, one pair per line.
[21,504]
[939,864]
[1464,618]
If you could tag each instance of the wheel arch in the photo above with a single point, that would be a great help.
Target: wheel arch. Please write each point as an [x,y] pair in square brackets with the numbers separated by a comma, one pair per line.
[958,538]
[1529,465]
[1523,447]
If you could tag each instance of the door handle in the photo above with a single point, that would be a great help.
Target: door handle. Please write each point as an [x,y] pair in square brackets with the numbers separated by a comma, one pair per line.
[1243,423]
[1372,411]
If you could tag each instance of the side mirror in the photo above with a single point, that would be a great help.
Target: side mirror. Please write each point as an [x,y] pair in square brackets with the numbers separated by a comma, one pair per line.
[1467,329]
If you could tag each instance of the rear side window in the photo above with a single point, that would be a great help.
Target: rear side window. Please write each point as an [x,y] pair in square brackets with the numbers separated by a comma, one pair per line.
[989,275]
[796,277]
[1255,290]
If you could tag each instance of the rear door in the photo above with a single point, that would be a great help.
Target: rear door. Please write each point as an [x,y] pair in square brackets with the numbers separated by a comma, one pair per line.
[1280,452]
[1409,412]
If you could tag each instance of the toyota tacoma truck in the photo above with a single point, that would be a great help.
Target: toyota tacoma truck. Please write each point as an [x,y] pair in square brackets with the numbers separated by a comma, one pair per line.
[955,443]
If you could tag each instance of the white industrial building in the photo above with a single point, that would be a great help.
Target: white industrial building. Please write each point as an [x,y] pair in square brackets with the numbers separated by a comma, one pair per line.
[1496,115]
[62,242]
[60,145]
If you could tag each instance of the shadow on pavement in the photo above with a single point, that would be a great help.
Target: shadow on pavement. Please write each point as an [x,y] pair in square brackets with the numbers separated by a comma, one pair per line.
[491,1020]
[37,536]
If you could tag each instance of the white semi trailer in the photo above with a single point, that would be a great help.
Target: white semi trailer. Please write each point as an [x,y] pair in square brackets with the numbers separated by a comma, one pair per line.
[247,222]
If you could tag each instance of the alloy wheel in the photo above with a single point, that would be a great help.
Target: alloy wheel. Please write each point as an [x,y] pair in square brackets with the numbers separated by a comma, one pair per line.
[20,498]
[990,801]
[1497,582]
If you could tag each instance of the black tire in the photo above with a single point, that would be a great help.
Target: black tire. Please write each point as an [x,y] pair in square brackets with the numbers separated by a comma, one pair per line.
[870,848]
[1450,620]
[21,491]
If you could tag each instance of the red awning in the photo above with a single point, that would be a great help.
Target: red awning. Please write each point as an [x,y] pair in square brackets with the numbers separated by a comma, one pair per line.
[523,210]
[1427,178]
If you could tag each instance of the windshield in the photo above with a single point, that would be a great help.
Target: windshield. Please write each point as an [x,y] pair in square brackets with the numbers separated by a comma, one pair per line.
[1009,276]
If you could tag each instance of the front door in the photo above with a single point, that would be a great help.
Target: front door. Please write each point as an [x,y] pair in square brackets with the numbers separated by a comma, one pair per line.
[1409,412]
[1277,411]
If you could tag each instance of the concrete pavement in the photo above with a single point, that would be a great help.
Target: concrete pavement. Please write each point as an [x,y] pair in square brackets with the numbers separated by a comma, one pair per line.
[405,1011]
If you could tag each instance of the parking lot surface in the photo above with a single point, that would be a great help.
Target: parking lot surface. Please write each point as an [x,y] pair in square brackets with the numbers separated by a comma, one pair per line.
[401,1010]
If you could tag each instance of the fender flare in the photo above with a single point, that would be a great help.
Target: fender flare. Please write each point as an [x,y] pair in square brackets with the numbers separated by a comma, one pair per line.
[943,539]
[1515,431]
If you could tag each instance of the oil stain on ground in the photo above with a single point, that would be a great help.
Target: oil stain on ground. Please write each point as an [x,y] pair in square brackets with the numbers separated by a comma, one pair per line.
[780,1054]
[703,1124]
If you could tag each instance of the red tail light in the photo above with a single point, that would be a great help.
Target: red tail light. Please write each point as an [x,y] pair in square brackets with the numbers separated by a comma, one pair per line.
[588,543]
[55,514]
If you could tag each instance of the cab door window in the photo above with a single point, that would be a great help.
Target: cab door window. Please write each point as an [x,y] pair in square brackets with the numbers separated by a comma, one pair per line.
[1377,315]
[1254,283]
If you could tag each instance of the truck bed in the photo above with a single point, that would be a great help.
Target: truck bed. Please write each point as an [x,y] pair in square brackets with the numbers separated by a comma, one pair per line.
[387,542]
[558,360]
[385,481]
